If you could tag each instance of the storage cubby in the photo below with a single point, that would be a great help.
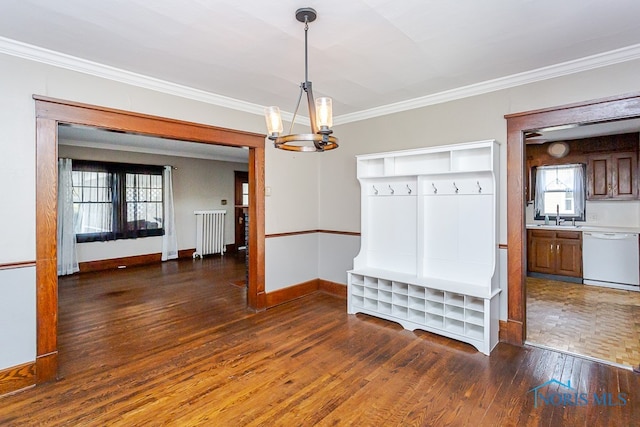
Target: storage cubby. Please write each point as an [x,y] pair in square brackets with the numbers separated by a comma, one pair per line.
[400,299]
[417,303]
[434,321]
[371,167]
[417,291]
[434,294]
[385,296]
[472,159]
[384,285]
[436,162]
[417,316]
[358,290]
[435,308]
[400,288]
[428,256]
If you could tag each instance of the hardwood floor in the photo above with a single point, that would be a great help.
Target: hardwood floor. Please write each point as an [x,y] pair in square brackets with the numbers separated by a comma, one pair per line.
[593,321]
[175,344]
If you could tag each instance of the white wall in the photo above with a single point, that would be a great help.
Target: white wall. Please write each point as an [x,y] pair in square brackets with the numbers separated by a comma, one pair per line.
[293,206]
[470,119]
[17,316]
[335,256]
[315,191]
[198,184]
[290,260]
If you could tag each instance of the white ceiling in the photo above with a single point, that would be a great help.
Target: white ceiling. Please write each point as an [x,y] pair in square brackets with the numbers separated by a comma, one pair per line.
[83,136]
[365,54]
[570,132]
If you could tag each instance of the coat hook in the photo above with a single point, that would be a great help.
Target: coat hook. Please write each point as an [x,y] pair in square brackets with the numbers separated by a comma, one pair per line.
[408,189]
[456,187]
[479,187]
[375,190]
[435,190]
[391,190]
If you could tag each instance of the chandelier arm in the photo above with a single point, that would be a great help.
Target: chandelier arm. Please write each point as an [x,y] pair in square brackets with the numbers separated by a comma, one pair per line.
[295,113]
[312,107]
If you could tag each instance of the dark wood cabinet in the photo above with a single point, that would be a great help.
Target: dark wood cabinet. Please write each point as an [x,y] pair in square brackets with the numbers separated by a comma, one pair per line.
[555,252]
[612,176]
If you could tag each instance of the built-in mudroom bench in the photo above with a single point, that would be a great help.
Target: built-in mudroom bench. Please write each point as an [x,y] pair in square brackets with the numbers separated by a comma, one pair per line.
[428,255]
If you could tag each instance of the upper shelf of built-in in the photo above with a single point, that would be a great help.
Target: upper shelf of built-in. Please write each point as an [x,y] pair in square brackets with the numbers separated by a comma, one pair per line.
[458,158]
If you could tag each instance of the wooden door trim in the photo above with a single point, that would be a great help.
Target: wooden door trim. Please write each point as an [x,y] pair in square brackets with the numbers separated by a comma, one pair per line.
[49,113]
[589,112]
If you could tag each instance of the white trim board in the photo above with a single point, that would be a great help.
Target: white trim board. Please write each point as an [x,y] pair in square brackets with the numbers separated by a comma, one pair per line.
[50,57]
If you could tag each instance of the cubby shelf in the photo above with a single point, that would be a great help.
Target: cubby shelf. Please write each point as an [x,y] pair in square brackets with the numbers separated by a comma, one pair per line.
[428,256]
[458,316]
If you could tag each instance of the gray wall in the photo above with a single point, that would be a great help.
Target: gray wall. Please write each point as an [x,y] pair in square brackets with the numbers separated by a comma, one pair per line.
[197,185]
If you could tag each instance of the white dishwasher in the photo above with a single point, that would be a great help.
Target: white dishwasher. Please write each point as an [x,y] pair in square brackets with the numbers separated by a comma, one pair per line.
[611,260]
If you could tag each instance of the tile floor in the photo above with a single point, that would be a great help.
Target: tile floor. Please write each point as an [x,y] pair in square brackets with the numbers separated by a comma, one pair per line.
[589,320]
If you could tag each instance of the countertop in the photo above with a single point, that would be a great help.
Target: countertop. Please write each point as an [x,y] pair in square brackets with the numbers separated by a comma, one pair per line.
[580,227]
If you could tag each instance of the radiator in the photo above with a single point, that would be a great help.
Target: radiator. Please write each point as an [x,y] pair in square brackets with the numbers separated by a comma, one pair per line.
[209,233]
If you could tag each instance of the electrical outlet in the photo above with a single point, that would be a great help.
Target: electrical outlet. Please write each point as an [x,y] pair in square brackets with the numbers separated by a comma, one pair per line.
[592,217]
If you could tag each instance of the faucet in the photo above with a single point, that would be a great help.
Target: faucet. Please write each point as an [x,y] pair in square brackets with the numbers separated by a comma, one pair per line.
[557,214]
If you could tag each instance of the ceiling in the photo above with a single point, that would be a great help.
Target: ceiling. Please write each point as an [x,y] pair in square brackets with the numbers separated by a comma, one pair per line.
[570,132]
[365,54]
[83,136]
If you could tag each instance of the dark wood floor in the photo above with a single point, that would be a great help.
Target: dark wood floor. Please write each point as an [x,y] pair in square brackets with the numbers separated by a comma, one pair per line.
[175,344]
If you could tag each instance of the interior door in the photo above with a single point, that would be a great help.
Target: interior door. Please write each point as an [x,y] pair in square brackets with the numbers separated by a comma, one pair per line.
[241,206]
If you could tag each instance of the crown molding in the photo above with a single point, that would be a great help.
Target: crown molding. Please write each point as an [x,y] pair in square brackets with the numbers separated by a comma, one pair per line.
[57,59]
[625,54]
[72,63]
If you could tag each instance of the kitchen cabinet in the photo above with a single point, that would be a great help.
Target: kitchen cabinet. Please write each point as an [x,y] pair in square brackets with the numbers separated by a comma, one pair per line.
[428,252]
[555,252]
[612,176]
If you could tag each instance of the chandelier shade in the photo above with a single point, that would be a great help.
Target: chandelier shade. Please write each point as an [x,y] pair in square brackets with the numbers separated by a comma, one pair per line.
[320,110]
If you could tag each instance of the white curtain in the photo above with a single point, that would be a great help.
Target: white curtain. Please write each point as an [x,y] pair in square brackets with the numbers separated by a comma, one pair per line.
[169,239]
[578,190]
[67,254]
[540,189]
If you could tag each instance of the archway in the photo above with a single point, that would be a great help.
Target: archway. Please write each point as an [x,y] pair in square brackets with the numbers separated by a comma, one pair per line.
[589,112]
[49,113]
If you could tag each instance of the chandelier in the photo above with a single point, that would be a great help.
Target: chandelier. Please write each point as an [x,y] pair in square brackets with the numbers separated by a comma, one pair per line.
[320,110]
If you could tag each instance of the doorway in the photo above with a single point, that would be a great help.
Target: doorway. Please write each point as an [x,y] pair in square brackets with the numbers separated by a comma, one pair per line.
[49,114]
[241,209]
[590,112]
[564,314]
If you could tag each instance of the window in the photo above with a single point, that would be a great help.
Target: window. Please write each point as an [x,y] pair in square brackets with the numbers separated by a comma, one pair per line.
[245,194]
[116,201]
[560,191]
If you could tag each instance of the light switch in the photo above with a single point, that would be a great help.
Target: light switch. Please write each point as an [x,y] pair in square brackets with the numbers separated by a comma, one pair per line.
[267,191]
